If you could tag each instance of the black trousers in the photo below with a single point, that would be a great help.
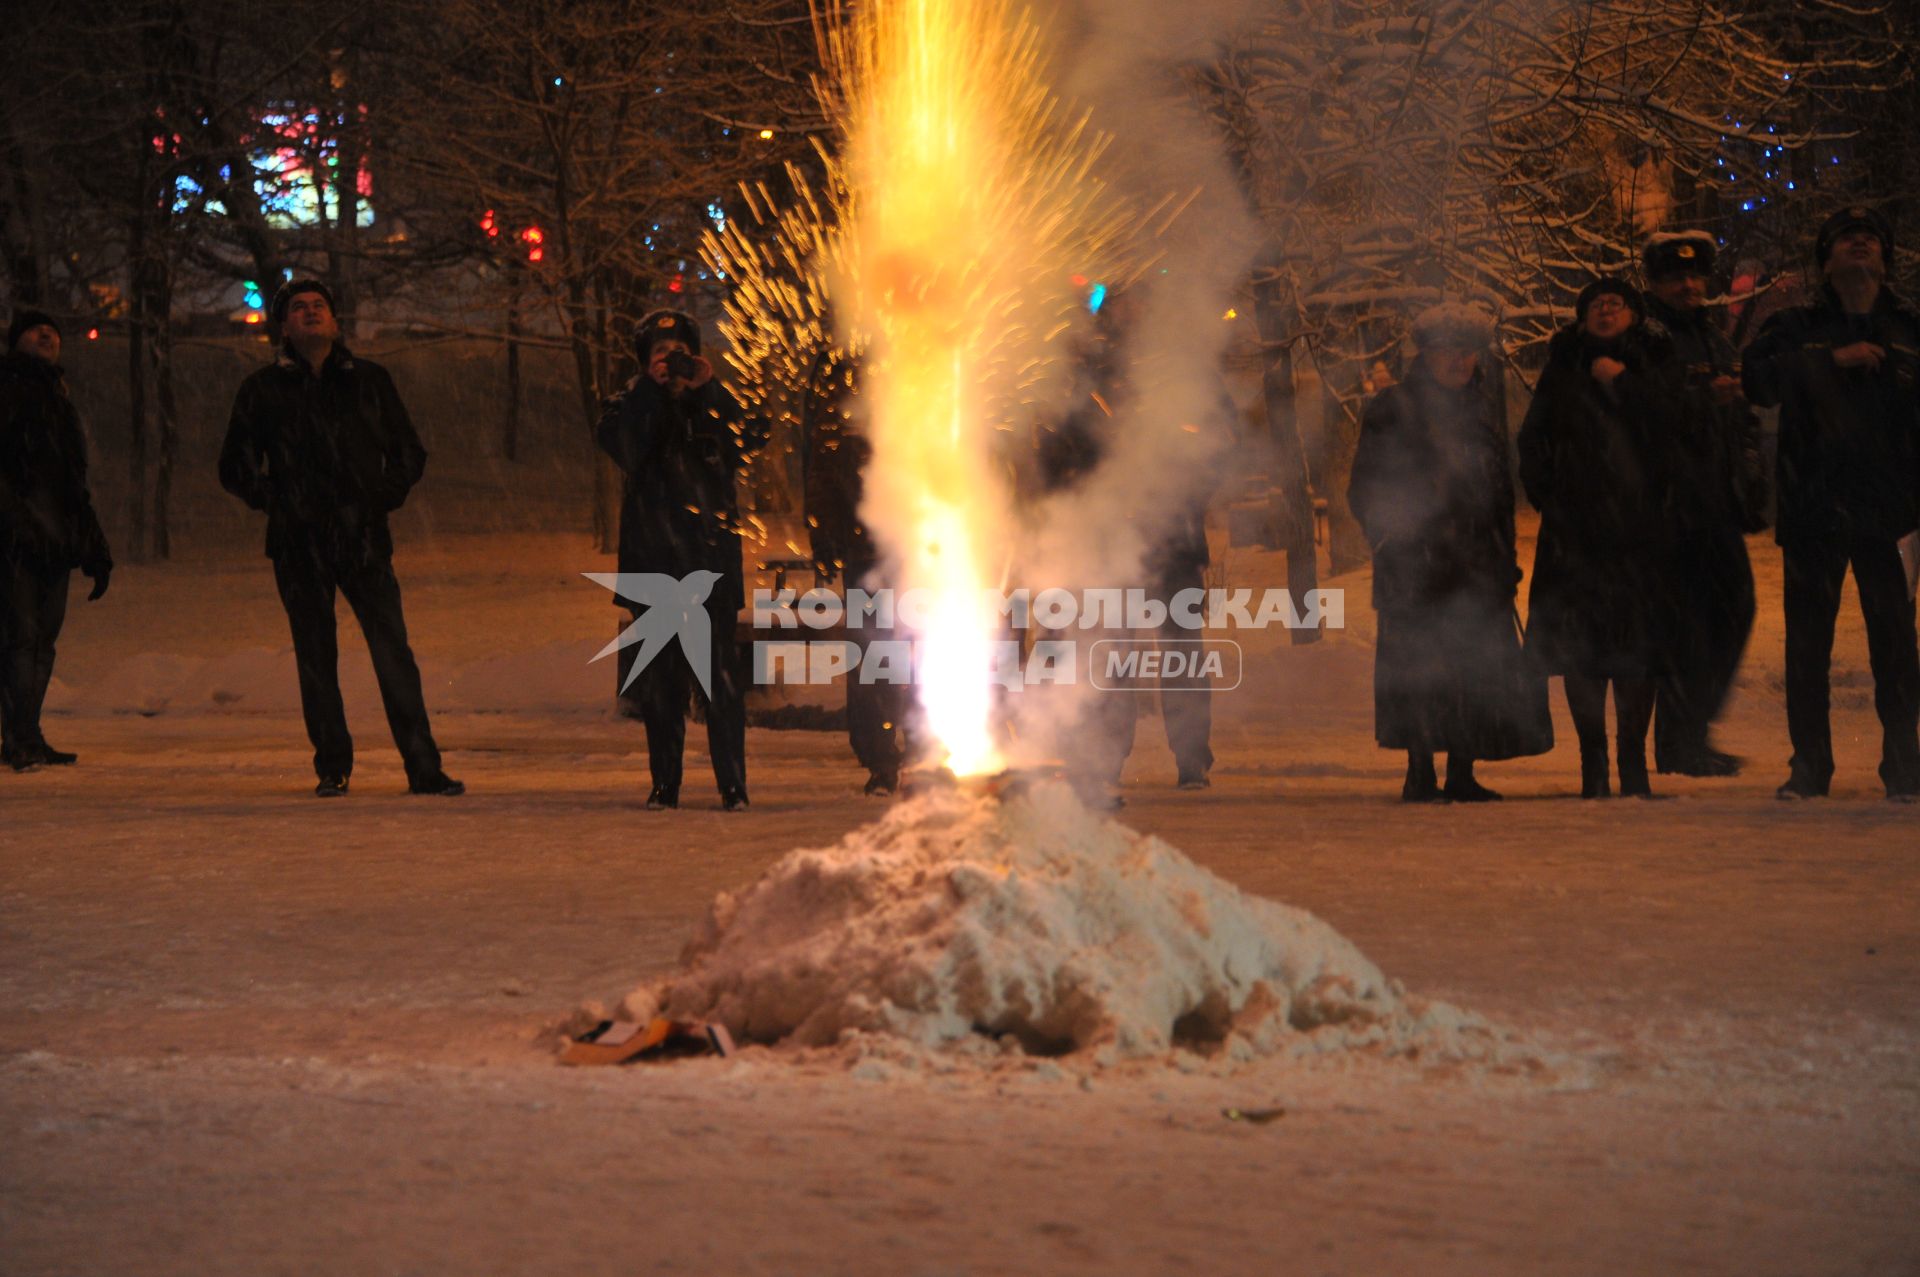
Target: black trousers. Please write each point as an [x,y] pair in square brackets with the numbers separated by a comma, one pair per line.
[308,584]
[1186,705]
[33,607]
[1814,574]
[1716,578]
[662,691]
[878,713]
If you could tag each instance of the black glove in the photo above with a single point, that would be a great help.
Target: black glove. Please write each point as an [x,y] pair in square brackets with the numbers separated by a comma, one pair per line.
[101,571]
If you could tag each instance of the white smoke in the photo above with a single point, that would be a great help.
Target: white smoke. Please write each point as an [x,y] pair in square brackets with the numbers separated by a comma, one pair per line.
[1168,442]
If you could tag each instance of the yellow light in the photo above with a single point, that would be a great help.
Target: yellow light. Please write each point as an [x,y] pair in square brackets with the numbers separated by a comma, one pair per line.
[968,189]
[766,135]
[1231,314]
[254,317]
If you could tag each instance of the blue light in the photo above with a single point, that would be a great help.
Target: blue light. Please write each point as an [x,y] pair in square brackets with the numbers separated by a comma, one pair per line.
[1746,206]
[557,81]
[1792,187]
[1096,298]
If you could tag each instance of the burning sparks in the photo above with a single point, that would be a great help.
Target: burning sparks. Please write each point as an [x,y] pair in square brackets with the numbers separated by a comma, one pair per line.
[958,203]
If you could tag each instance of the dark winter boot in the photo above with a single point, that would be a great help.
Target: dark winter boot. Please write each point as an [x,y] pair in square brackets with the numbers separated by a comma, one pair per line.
[1594,780]
[882,784]
[662,798]
[733,800]
[1461,785]
[56,757]
[1422,784]
[1634,782]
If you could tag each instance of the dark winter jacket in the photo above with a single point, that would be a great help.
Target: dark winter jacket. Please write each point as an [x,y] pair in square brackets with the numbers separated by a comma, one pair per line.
[1432,490]
[46,512]
[1721,482]
[1849,462]
[1070,451]
[834,456]
[679,511]
[326,456]
[1597,462]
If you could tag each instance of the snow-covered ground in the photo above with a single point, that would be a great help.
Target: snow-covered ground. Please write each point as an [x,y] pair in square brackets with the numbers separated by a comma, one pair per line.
[243,1031]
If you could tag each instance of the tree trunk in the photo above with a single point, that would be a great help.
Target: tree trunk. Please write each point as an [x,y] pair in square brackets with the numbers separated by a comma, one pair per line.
[161,352]
[510,437]
[137,415]
[1292,518]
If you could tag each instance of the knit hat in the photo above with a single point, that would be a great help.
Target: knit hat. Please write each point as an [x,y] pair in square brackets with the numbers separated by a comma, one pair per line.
[666,325]
[25,319]
[293,288]
[1677,253]
[1458,324]
[1857,217]
[1617,287]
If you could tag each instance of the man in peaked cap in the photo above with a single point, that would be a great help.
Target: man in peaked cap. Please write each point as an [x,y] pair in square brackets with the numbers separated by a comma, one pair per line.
[320,442]
[681,440]
[1720,494]
[1845,373]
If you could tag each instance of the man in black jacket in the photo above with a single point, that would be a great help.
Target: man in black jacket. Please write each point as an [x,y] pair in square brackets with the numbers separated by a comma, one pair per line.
[47,528]
[1719,494]
[678,436]
[834,458]
[1845,371]
[320,442]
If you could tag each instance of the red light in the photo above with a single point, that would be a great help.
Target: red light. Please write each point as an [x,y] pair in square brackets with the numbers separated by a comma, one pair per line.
[93,334]
[1079,281]
[534,235]
[535,254]
[677,284]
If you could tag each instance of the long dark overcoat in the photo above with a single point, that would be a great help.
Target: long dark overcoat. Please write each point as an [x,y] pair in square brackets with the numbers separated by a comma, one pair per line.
[1432,490]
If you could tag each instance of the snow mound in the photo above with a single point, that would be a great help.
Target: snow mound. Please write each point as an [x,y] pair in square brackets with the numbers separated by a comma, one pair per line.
[1031,921]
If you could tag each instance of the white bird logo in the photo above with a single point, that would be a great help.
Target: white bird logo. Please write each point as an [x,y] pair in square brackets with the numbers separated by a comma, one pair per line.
[675,606]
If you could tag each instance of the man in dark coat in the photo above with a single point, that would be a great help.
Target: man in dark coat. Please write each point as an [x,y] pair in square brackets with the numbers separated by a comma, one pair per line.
[1176,561]
[320,442]
[1845,372]
[834,457]
[1719,494]
[1596,460]
[47,528]
[679,437]
[1432,490]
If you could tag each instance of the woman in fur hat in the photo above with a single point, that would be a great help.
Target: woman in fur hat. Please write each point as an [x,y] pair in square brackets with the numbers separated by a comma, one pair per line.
[1432,490]
[1596,459]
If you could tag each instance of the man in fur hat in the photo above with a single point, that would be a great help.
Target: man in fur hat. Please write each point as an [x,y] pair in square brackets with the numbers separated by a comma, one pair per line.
[1719,495]
[1845,373]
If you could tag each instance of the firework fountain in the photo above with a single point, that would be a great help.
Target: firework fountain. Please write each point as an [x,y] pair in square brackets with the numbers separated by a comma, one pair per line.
[959,201]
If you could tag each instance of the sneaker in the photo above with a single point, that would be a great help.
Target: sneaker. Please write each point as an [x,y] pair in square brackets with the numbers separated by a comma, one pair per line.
[733,800]
[331,787]
[439,784]
[661,798]
[882,784]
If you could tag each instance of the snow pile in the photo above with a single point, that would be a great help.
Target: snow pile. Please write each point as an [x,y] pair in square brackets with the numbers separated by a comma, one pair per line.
[1031,921]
